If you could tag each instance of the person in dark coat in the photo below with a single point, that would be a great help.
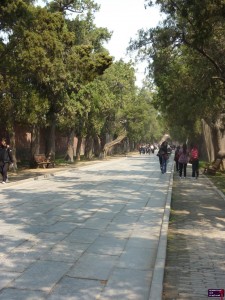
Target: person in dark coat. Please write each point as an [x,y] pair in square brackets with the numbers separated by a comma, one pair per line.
[176,158]
[163,155]
[5,159]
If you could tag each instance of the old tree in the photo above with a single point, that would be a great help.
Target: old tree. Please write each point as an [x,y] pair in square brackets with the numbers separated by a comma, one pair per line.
[186,59]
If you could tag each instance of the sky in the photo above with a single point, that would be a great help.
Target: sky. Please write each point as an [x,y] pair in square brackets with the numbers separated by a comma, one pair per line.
[124,18]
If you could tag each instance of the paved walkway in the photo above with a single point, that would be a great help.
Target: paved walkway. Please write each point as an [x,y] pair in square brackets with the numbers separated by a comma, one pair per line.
[95,232]
[196,241]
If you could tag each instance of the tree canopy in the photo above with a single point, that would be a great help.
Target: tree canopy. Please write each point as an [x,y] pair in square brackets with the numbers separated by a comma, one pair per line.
[56,73]
[186,53]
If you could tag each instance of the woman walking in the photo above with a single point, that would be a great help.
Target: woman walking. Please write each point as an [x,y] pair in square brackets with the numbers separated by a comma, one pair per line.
[183,160]
[194,159]
[176,158]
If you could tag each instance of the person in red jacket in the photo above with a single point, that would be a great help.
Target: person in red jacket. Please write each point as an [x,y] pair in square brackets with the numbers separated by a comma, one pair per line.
[194,159]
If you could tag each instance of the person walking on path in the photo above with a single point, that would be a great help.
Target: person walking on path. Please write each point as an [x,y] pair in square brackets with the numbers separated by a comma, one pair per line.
[176,158]
[183,160]
[5,159]
[194,160]
[164,156]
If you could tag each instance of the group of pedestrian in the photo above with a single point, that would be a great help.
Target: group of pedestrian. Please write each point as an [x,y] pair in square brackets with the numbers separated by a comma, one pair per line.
[183,156]
[6,159]
[147,149]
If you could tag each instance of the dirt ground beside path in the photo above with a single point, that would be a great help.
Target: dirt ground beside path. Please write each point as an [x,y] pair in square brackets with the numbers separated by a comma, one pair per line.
[196,241]
[27,173]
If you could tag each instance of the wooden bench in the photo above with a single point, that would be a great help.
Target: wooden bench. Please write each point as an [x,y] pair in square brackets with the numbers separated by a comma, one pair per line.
[211,169]
[42,160]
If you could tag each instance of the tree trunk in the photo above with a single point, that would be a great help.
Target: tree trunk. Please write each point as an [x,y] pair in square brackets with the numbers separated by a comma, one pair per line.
[70,147]
[12,138]
[97,146]
[109,145]
[88,153]
[35,144]
[50,141]
[126,146]
[208,138]
[220,133]
[78,150]
[214,135]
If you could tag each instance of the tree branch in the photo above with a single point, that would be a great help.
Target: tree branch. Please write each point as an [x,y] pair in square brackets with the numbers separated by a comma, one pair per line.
[203,52]
[109,145]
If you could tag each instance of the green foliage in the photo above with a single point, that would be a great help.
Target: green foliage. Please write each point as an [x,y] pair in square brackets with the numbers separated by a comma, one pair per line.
[186,59]
[143,120]
[54,68]
[74,6]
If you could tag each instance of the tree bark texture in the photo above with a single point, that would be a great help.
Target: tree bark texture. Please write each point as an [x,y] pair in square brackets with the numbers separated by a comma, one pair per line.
[78,150]
[35,143]
[214,135]
[88,153]
[109,145]
[70,147]
[209,144]
[50,141]
[97,146]
[12,137]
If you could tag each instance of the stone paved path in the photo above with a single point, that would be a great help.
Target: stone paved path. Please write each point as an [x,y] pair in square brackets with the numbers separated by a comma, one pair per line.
[87,233]
[196,241]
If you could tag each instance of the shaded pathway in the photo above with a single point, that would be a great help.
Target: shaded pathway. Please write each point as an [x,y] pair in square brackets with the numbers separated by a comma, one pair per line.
[196,241]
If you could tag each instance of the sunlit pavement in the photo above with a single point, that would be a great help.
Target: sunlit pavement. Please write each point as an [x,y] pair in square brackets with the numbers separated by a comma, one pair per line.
[96,232]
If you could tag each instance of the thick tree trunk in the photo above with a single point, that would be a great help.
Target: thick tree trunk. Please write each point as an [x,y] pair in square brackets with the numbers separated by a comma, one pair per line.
[126,146]
[70,147]
[210,141]
[220,133]
[78,150]
[97,146]
[88,153]
[214,135]
[35,143]
[109,145]
[50,141]
[12,137]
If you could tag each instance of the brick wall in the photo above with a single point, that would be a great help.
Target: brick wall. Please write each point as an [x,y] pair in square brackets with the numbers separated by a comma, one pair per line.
[23,142]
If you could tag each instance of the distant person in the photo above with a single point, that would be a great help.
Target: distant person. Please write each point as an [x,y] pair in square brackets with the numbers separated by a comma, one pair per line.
[194,160]
[183,160]
[148,149]
[5,160]
[140,150]
[152,148]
